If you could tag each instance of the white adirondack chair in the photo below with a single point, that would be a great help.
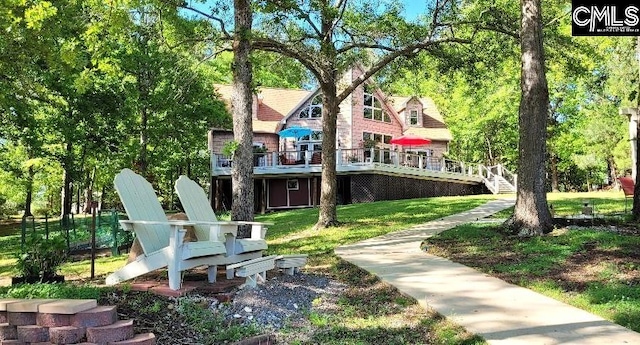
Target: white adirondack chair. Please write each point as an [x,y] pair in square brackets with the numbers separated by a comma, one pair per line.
[196,205]
[162,240]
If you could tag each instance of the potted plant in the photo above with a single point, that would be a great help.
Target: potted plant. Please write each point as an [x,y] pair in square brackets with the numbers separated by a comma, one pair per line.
[40,260]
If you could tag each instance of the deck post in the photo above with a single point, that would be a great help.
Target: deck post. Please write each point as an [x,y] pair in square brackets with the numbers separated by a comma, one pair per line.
[263,198]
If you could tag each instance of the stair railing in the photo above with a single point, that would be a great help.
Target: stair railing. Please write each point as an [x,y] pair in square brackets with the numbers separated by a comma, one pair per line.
[489,178]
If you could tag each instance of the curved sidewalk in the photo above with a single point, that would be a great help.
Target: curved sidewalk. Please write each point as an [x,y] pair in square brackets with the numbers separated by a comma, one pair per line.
[500,312]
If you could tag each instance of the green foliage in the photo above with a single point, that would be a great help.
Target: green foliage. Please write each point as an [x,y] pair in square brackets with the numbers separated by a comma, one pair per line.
[64,290]
[212,325]
[41,257]
[230,147]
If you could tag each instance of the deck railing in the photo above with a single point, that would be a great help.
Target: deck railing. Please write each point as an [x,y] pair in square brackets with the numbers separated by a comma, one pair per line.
[353,157]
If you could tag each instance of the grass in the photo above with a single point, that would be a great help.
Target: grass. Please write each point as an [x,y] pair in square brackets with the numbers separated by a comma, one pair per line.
[371,313]
[592,269]
[604,203]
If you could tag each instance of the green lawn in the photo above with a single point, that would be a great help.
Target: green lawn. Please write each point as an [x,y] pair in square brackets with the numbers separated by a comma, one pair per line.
[609,203]
[372,312]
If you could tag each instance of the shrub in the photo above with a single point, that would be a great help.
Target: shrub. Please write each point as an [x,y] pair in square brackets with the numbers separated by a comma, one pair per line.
[42,257]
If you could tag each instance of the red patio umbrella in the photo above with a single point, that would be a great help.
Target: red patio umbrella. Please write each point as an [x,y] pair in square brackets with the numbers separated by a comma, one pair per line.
[410,140]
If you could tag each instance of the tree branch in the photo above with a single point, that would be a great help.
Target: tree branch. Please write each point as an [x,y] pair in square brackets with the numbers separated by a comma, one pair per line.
[220,22]
[271,45]
[409,51]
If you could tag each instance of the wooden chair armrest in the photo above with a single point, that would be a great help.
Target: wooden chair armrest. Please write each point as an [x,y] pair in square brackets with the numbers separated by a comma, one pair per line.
[129,224]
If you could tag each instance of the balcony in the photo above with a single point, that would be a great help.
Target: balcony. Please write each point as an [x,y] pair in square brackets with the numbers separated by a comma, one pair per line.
[351,161]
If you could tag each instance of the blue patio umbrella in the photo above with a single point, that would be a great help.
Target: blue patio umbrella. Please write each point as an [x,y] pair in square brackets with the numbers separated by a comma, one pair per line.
[295,132]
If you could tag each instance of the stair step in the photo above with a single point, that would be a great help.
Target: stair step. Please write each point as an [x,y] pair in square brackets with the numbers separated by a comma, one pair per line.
[118,331]
[27,305]
[33,334]
[8,331]
[96,317]
[67,306]
[21,319]
[66,334]
[53,320]
[140,339]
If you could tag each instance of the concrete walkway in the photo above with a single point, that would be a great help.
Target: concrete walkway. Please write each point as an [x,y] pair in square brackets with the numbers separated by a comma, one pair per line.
[502,313]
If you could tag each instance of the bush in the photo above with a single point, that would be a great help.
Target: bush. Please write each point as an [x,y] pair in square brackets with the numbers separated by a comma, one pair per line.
[42,257]
[7,207]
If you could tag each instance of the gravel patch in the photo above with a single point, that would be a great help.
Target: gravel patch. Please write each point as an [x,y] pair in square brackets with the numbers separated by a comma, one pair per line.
[281,301]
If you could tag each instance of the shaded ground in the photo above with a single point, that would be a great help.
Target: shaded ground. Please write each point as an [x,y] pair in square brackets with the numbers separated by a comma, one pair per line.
[591,264]
[308,308]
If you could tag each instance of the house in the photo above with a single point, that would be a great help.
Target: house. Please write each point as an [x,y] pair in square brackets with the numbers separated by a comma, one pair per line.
[370,167]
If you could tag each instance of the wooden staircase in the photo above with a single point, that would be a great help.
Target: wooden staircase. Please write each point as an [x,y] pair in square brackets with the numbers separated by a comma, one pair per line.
[65,321]
[499,185]
[498,179]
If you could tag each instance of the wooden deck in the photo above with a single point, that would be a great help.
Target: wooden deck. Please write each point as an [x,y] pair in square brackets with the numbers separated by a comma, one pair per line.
[357,161]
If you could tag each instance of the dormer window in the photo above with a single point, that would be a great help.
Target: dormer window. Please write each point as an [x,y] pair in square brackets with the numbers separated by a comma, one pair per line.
[313,110]
[373,107]
[413,118]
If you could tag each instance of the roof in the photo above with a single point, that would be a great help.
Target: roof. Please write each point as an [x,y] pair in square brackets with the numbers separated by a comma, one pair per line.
[442,134]
[433,120]
[274,103]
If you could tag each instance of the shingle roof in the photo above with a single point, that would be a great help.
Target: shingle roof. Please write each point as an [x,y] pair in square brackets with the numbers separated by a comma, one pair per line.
[437,129]
[275,103]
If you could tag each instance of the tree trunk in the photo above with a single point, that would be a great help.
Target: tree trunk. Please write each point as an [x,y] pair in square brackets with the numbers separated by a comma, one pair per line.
[242,207]
[143,163]
[613,172]
[531,215]
[29,197]
[67,190]
[328,214]
[635,211]
[554,173]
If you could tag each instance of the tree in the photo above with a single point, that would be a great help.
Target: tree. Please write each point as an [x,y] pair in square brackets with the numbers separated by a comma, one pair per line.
[531,215]
[328,37]
[242,96]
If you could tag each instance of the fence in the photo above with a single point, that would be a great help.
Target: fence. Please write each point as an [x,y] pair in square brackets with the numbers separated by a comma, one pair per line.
[77,231]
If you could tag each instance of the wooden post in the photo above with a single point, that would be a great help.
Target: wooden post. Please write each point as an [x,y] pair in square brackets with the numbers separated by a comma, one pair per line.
[314,191]
[263,199]
[93,239]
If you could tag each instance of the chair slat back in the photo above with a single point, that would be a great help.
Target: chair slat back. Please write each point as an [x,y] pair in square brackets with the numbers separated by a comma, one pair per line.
[628,185]
[141,203]
[196,205]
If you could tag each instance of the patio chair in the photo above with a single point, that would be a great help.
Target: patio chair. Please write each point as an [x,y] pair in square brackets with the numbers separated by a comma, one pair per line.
[196,205]
[162,241]
[628,187]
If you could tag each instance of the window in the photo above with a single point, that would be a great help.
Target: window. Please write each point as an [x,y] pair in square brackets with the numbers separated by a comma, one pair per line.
[413,118]
[313,110]
[373,107]
[378,138]
[292,184]
[315,136]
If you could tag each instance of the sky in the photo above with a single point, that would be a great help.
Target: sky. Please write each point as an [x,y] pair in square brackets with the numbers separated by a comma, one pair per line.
[412,8]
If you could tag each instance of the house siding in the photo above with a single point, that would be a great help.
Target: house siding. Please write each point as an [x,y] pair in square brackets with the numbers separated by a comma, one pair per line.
[413,104]
[217,140]
[361,125]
